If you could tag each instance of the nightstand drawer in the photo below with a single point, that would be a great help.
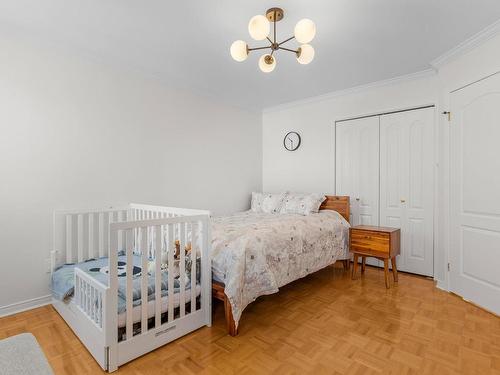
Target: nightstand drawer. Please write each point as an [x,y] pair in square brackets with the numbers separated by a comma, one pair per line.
[371,241]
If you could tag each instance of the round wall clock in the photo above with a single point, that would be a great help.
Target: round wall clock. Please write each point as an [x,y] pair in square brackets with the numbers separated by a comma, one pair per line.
[291,141]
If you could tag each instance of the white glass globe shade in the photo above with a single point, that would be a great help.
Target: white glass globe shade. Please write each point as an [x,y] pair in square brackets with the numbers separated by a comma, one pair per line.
[306,54]
[259,27]
[267,63]
[304,31]
[239,50]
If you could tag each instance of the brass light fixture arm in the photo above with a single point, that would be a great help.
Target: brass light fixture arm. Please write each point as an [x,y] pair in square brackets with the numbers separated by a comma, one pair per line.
[286,40]
[257,48]
[289,50]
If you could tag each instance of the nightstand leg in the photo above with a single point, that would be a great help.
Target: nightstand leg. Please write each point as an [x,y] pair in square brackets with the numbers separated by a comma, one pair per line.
[363,264]
[386,273]
[355,266]
[394,269]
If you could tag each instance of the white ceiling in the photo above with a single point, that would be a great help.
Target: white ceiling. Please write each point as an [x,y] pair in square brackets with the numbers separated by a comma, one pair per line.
[186,43]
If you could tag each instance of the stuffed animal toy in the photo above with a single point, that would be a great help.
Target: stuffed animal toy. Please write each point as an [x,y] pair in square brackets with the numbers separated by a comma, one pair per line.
[164,259]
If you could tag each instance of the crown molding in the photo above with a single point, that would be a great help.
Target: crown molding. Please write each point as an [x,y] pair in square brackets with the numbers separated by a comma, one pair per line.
[353,90]
[467,45]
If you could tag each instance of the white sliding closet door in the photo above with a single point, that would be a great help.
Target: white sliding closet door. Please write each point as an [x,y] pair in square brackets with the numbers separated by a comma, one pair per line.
[475,193]
[357,167]
[406,185]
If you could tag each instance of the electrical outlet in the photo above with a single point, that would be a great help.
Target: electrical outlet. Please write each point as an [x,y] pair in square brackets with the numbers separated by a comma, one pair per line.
[47,265]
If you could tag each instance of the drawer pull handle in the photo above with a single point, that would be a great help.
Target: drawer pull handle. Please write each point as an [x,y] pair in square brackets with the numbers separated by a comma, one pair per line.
[368,237]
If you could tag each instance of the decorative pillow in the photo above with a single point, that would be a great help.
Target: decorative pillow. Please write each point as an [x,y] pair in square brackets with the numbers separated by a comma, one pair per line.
[303,204]
[256,203]
[267,203]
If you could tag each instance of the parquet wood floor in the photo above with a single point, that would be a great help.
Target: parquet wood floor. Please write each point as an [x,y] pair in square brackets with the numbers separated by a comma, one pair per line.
[323,324]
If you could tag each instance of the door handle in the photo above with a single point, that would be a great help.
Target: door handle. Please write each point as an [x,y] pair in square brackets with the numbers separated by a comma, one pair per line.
[403,200]
[357,199]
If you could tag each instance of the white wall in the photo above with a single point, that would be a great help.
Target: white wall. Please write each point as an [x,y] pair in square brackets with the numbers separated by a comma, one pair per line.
[311,168]
[76,133]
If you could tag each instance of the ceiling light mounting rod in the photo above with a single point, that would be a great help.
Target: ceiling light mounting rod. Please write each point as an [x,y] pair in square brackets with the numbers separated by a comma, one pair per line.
[259,29]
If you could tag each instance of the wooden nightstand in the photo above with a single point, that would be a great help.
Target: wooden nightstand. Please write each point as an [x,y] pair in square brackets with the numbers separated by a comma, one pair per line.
[377,242]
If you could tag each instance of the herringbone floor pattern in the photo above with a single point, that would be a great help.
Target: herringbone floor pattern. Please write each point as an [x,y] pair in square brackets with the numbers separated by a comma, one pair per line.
[322,324]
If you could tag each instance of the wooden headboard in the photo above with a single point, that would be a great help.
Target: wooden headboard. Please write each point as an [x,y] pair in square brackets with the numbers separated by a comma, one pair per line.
[337,203]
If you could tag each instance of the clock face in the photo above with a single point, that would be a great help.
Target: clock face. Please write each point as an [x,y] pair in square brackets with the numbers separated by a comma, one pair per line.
[291,141]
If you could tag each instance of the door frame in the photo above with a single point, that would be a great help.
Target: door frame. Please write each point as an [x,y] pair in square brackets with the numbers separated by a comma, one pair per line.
[436,165]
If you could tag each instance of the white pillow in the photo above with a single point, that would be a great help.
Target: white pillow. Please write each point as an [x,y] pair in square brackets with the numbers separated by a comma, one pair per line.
[303,204]
[267,203]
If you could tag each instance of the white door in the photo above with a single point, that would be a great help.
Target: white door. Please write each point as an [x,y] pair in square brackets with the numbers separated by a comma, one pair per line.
[475,193]
[406,185]
[357,167]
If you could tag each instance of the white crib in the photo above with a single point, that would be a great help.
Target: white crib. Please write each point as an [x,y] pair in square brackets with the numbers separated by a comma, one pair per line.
[80,235]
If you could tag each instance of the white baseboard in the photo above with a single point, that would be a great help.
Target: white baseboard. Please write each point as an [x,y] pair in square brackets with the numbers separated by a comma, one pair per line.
[441,284]
[25,305]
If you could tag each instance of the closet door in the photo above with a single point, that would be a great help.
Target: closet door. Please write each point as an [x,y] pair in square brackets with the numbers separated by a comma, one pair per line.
[475,198]
[406,185]
[357,167]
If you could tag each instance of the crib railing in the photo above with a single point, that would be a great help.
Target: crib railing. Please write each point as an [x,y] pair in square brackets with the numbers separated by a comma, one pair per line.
[84,234]
[80,235]
[90,297]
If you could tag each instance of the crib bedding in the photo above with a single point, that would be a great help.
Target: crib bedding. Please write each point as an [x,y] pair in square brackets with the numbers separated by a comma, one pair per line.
[63,279]
[254,254]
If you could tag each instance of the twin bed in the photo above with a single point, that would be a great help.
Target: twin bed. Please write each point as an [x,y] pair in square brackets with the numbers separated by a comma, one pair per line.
[254,254]
[128,280]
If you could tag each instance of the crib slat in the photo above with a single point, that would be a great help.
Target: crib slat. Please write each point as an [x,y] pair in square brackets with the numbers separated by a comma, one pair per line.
[182,270]
[80,237]
[86,293]
[77,291]
[92,294]
[170,253]
[121,234]
[129,299]
[91,236]
[157,276]
[144,239]
[101,234]
[99,310]
[69,239]
[110,220]
[194,242]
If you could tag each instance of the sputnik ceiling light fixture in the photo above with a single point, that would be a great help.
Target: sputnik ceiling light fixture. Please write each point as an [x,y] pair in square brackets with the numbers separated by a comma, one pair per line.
[259,28]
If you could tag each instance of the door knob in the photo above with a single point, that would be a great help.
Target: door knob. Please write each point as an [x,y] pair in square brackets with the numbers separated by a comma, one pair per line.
[357,199]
